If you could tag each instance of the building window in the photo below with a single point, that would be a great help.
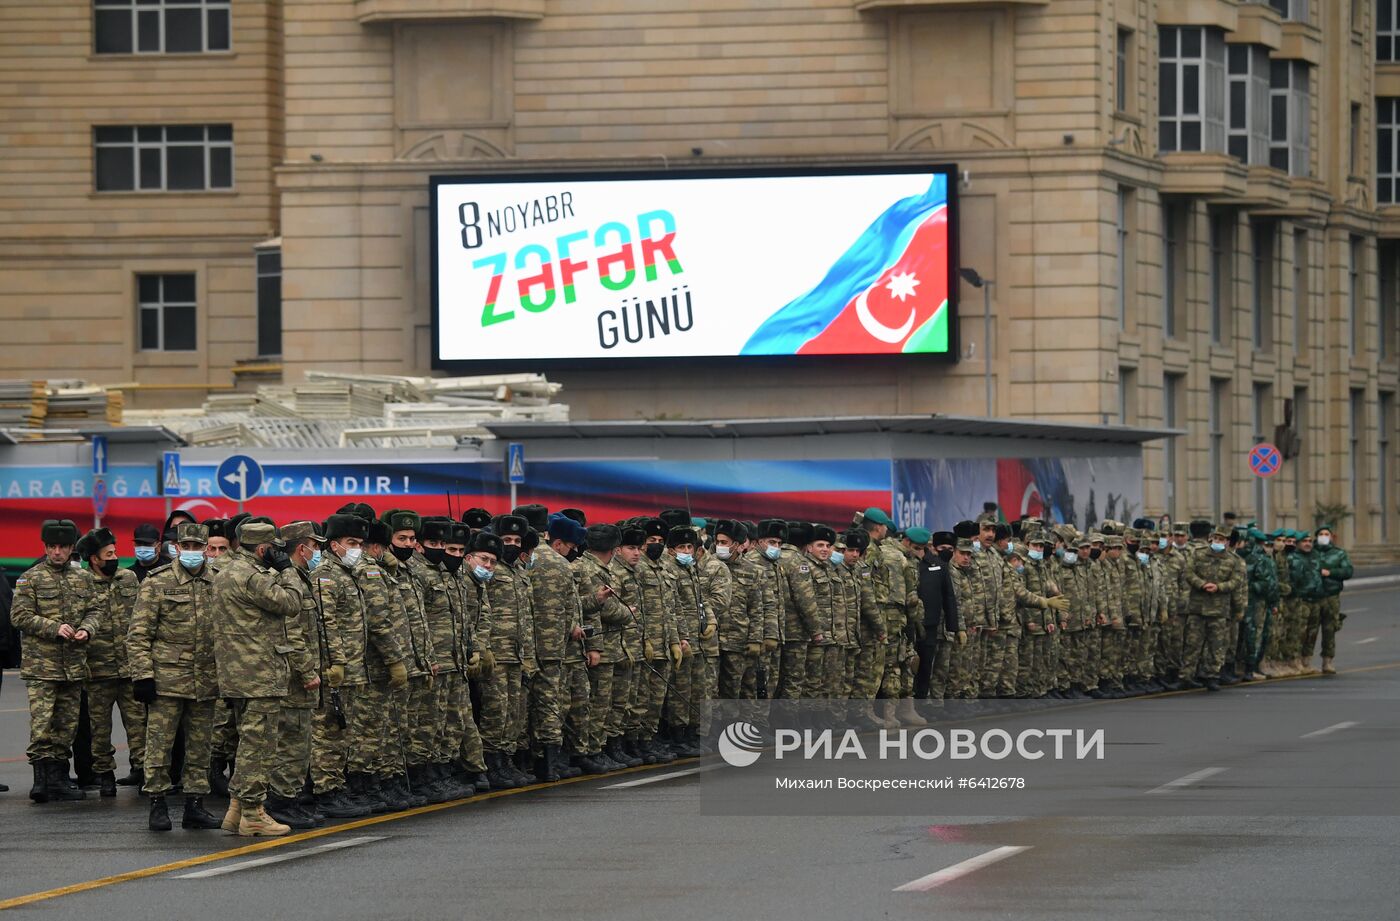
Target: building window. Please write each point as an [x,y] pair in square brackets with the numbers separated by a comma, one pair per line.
[1354,294]
[1386,340]
[166,309]
[1263,419]
[1354,161]
[163,158]
[1387,30]
[269,280]
[1127,396]
[1221,276]
[1289,117]
[1300,291]
[1124,232]
[1247,123]
[1388,150]
[1262,287]
[1300,463]
[160,26]
[1173,386]
[1386,469]
[1218,425]
[1356,418]
[1175,232]
[1123,72]
[1191,88]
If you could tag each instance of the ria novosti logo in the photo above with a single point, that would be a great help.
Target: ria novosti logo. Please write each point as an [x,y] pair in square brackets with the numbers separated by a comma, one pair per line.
[740,744]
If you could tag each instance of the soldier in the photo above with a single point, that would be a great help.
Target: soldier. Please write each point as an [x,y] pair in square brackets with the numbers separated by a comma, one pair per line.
[387,765]
[1035,602]
[824,667]
[219,545]
[742,624]
[1079,623]
[1040,623]
[1278,642]
[942,623]
[170,650]
[694,625]
[1263,598]
[977,605]
[1213,575]
[662,651]
[1334,566]
[609,679]
[143,541]
[555,619]
[109,677]
[626,578]
[256,618]
[1305,570]
[716,594]
[49,597]
[868,665]
[465,572]
[511,642]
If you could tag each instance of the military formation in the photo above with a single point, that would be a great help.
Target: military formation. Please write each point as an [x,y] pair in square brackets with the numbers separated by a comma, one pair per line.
[376,662]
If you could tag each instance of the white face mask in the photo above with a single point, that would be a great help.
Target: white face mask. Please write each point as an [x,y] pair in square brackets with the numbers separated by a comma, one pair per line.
[1324,540]
[722,551]
[352,556]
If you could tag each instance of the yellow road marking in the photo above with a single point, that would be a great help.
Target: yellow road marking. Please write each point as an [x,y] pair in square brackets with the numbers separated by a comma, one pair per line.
[271,843]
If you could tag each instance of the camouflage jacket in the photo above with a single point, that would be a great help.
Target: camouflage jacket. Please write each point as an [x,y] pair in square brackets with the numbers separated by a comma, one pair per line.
[475,604]
[1037,581]
[831,599]
[1338,565]
[611,614]
[1285,584]
[305,661]
[1135,576]
[509,598]
[415,638]
[254,614]
[1158,592]
[741,623]
[442,613]
[1077,585]
[800,619]
[717,591]
[1220,568]
[657,612]
[355,607]
[172,634]
[627,581]
[46,598]
[106,651]
[1174,578]
[1263,577]
[774,591]
[690,600]
[870,626]
[846,608]
[966,591]
[557,610]
[1305,575]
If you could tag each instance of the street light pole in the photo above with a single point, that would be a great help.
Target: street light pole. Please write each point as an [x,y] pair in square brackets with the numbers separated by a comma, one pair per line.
[974,278]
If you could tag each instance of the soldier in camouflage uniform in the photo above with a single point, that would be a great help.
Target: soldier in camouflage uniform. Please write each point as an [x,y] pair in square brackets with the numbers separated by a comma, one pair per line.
[50,598]
[1212,574]
[976,609]
[716,592]
[742,623]
[503,701]
[109,677]
[1305,569]
[627,584]
[685,698]
[557,625]
[661,640]
[868,665]
[824,667]
[800,624]
[256,620]
[1171,639]
[1035,605]
[1078,625]
[1263,601]
[765,551]
[1000,606]
[170,651]
[1334,568]
[1277,642]
[610,679]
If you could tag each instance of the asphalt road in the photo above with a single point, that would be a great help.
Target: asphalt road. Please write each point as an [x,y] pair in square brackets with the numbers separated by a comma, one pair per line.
[1226,837]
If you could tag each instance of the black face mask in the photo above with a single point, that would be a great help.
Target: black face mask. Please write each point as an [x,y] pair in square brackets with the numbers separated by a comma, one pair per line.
[402,554]
[110,567]
[1095,554]
[654,551]
[434,555]
[945,554]
[1289,548]
[1133,548]
[510,553]
[573,554]
[452,563]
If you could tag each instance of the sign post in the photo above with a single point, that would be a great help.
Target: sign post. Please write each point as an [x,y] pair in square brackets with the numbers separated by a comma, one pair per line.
[515,468]
[239,478]
[99,479]
[169,477]
[1265,461]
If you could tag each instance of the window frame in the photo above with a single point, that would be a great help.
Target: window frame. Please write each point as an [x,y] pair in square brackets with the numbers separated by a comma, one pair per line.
[1210,65]
[161,9]
[1296,93]
[259,256]
[161,307]
[1124,70]
[1253,77]
[163,147]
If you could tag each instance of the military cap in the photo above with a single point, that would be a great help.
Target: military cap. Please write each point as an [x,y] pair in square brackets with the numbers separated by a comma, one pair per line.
[346,509]
[1113,541]
[340,526]
[741,532]
[799,533]
[1039,537]
[654,527]
[1111,527]
[562,527]
[1084,543]
[459,533]
[1220,530]
[379,533]
[218,527]
[1144,524]
[402,519]
[476,518]
[529,540]
[1096,537]
[576,514]
[537,515]
[1257,535]
[965,528]
[875,515]
[435,529]
[675,517]
[1324,527]
[486,542]
[145,534]
[509,524]
[59,531]
[1302,535]
[199,534]
[822,532]
[857,539]
[771,527]
[298,531]
[684,534]
[919,537]
[726,526]
[603,537]
[943,539]
[964,544]
[1132,534]
[251,533]
[632,537]
[235,521]
[1200,527]
[91,543]
[1181,527]
[1003,531]
[1031,521]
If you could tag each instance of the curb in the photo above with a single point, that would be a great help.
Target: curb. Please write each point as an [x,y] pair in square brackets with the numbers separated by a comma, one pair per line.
[1373,582]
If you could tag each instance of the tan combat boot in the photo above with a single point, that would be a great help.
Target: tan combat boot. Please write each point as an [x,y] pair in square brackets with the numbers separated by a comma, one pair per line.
[256,823]
[907,715]
[1328,668]
[886,714]
[231,818]
[1307,666]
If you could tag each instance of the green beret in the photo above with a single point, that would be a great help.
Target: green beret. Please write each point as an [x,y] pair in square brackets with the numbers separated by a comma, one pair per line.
[919,537]
[876,516]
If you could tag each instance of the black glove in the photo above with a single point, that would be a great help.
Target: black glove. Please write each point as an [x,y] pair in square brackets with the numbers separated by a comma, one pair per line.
[279,560]
[144,690]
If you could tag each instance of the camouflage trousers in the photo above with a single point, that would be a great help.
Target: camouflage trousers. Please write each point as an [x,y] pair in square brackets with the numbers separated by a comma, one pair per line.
[898,678]
[648,696]
[225,733]
[1323,615]
[869,662]
[1113,649]
[681,694]
[1000,661]
[826,668]
[293,757]
[1140,658]
[736,676]
[792,671]
[1171,637]
[1033,664]
[609,685]
[931,681]
[848,677]
[580,695]
[53,719]
[965,679]
[456,733]
[546,713]
[164,718]
[256,759]
[370,736]
[330,743]
[387,753]
[102,697]
[1073,667]
[1254,633]
[1203,650]
[503,708]
[1280,642]
[422,718]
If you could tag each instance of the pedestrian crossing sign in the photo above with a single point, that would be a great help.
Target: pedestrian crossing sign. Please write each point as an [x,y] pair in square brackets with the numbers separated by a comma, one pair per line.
[515,462]
[170,473]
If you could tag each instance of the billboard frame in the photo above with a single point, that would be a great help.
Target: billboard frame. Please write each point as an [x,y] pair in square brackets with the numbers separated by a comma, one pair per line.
[713,362]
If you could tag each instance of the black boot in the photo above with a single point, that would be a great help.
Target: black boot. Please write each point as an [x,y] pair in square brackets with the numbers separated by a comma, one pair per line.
[520,765]
[39,793]
[107,783]
[618,753]
[548,771]
[218,780]
[196,816]
[421,783]
[134,778]
[160,815]
[336,805]
[496,773]
[279,808]
[60,789]
[415,799]
[662,751]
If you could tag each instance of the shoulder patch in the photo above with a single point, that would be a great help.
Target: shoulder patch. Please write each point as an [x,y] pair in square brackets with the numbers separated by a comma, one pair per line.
[21,581]
[804,568]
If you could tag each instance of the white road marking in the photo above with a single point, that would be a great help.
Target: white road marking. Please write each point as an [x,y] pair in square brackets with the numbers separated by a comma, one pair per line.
[1369,639]
[1328,730]
[659,777]
[1173,785]
[959,870]
[280,858]
[1357,610]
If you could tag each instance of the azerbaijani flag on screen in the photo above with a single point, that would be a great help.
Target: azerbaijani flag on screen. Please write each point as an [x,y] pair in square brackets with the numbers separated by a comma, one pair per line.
[887,294]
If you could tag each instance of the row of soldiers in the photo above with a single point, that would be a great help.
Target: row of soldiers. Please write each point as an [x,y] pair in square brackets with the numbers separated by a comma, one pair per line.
[375,662]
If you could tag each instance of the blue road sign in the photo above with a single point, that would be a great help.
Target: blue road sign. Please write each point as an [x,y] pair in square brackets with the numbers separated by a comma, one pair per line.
[239,477]
[515,462]
[170,473]
[1265,460]
[99,497]
[99,455]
